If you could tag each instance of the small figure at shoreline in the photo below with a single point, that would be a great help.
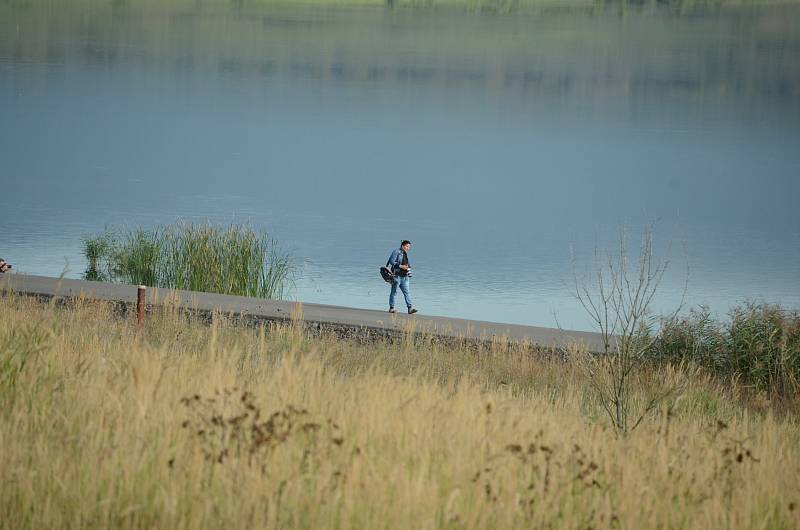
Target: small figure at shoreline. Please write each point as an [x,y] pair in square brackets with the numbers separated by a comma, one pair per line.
[4,266]
[400,267]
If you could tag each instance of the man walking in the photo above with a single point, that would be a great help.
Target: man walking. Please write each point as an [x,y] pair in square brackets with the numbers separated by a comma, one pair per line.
[398,263]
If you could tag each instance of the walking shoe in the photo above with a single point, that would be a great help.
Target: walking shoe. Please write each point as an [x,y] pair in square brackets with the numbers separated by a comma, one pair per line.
[411,310]
[392,310]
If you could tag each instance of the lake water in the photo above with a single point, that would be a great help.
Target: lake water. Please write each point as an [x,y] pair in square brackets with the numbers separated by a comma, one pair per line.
[499,145]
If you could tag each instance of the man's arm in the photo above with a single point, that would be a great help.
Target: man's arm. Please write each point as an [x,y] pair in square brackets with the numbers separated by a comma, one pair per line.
[394,259]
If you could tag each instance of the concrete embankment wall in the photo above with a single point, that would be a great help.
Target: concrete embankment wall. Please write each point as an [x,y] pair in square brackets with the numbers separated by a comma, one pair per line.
[363,325]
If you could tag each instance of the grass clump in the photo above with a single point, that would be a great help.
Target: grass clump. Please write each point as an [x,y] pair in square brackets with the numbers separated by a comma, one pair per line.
[234,260]
[759,345]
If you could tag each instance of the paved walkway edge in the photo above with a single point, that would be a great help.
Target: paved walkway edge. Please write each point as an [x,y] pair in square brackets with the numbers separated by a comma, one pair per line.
[351,323]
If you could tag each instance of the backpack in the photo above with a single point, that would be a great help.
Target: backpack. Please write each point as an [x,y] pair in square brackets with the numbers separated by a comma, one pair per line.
[387,274]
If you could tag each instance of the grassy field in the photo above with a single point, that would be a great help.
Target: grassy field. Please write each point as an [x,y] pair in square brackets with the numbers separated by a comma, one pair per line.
[185,425]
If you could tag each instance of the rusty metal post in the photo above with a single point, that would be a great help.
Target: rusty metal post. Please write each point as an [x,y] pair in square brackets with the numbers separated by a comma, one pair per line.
[140,301]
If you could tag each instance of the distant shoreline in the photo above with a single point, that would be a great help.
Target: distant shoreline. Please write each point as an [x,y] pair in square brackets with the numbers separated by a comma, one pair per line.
[488,6]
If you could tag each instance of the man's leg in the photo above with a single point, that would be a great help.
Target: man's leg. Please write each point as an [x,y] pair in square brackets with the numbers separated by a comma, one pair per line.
[393,292]
[406,292]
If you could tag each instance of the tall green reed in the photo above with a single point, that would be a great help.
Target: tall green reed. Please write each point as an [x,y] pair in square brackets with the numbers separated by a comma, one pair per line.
[97,249]
[236,259]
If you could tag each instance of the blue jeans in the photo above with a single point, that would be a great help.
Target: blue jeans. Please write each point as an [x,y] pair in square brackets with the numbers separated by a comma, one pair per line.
[401,281]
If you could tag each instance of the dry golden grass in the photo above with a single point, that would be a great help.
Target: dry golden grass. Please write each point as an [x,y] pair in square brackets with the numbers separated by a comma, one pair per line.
[193,426]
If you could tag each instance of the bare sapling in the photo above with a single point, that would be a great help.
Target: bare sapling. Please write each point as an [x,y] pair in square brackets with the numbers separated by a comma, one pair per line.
[618,298]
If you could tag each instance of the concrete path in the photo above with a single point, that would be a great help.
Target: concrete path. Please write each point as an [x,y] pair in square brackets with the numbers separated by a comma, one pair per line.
[311,313]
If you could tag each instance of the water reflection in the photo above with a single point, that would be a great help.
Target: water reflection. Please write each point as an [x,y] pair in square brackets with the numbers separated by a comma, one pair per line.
[723,55]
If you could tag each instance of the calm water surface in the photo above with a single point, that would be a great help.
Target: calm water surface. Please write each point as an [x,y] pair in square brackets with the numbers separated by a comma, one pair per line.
[497,144]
